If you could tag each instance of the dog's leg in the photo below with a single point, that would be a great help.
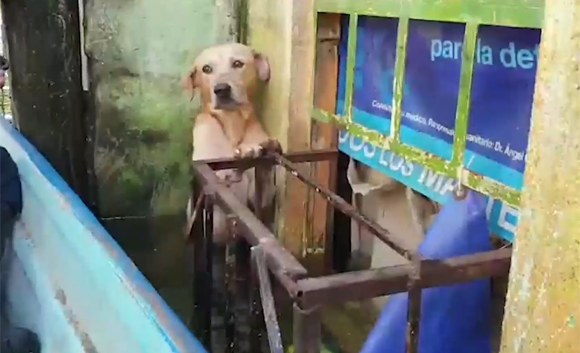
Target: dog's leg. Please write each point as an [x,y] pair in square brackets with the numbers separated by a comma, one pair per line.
[256,143]
[210,142]
[422,210]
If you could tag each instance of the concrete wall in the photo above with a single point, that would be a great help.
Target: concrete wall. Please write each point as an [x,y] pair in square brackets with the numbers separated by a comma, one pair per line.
[137,52]
[284,31]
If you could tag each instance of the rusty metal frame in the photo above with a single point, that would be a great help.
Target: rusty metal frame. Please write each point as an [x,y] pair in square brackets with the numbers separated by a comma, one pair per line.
[309,293]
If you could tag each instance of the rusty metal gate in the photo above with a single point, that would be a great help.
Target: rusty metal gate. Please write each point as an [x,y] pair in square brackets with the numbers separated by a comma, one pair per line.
[240,305]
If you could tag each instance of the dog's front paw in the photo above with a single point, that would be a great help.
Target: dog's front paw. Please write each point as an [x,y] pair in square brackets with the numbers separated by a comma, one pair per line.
[249,151]
[271,145]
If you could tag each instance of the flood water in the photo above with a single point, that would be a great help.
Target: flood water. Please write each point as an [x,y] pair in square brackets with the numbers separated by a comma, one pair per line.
[157,247]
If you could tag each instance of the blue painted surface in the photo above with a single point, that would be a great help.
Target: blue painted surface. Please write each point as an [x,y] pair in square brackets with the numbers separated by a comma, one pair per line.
[501,102]
[70,281]
[454,319]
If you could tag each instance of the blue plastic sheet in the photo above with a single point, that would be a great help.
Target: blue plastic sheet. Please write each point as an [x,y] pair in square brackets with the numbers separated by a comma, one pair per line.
[454,319]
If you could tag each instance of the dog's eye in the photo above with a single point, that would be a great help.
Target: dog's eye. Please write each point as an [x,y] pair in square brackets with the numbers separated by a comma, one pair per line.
[237,64]
[206,69]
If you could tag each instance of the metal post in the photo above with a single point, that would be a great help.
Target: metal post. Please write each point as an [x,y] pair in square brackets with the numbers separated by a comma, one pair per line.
[219,316]
[260,268]
[414,307]
[543,311]
[202,286]
[242,297]
[256,319]
[307,330]
[208,282]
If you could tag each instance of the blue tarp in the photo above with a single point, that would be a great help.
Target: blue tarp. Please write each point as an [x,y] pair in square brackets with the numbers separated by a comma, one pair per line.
[455,319]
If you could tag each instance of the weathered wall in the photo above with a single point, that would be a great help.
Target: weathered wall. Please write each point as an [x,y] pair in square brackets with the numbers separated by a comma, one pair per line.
[284,31]
[543,308]
[138,51]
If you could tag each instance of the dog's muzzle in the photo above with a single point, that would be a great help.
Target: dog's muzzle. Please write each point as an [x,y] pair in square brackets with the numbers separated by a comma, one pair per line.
[223,91]
[224,97]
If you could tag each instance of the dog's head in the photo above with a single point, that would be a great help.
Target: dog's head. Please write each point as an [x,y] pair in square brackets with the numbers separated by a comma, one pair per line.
[3,68]
[227,76]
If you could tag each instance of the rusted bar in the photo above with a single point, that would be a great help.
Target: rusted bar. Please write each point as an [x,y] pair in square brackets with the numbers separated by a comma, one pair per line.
[202,236]
[360,285]
[267,298]
[260,177]
[219,315]
[197,267]
[287,283]
[196,209]
[208,283]
[242,297]
[249,226]
[307,330]
[295,157]
[257,325]
[231,295]
[413,318]
[414,308]
[397,243]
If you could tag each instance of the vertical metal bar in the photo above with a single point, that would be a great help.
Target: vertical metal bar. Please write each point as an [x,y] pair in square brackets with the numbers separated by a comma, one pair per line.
[306,330]
[242,297]
[464,98]
[208,282]
[200,320]
[350,65]
[267,299]
[260,179]
[256,322]
[219,298]
[413,317]
[231,291]
[196,238]
[400,61]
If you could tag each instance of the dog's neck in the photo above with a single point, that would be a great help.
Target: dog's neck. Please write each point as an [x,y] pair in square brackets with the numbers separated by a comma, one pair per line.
[234,122]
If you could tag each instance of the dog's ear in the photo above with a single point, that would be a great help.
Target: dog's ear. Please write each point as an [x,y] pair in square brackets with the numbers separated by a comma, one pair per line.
[262,66]
[189,83]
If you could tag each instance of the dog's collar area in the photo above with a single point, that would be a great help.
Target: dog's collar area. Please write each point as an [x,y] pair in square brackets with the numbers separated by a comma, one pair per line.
[216,114]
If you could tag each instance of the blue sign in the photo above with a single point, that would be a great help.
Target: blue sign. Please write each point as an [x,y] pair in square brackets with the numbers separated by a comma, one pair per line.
[501,102]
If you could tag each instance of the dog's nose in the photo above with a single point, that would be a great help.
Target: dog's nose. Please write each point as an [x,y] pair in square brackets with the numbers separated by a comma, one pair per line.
[222,90]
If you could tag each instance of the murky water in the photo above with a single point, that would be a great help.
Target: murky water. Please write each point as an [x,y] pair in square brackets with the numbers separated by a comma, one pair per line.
[157,247]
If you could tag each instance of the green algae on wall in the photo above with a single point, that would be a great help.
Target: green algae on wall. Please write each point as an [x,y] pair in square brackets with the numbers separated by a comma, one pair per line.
[138,51]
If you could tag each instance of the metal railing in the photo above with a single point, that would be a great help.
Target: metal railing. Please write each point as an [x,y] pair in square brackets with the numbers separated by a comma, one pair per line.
[250,293]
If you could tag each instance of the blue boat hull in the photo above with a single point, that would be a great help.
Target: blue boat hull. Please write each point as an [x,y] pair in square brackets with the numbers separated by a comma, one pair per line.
[70,282]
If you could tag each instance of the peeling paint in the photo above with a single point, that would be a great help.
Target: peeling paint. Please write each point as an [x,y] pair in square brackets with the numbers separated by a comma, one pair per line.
[472,180]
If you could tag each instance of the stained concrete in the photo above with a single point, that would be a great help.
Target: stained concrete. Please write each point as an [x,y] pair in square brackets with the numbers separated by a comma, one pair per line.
[138,51]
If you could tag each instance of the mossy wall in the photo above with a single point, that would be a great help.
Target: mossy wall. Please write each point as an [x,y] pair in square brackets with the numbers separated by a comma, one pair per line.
[138,51]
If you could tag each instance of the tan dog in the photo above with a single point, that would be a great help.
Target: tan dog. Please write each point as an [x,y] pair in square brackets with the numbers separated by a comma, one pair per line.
[227,77]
